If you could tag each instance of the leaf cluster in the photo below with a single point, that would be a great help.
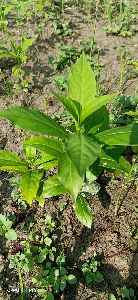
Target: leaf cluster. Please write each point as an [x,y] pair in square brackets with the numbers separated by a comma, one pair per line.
[91,145]
[5,228]
[91,271]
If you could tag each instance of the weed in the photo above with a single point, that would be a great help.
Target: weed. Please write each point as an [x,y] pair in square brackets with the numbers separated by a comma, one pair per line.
[5,227]
[5,9]
[68,54]
[37,251]
[55,278]
[60,81]
[18,52]
[125,24]
[122,105]
[125,293]
[61,27]
[91,271]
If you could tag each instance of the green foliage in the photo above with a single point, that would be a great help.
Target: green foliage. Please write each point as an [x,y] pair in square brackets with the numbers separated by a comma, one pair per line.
[17,52]
[68,54]
[83,211]
[39,254]
[33,120]
[5,9]
[121,17]
[91,271]
[5,228]
[31,169]
[120,110]
[125,293]
[54,277]
[91,145]
[61,27]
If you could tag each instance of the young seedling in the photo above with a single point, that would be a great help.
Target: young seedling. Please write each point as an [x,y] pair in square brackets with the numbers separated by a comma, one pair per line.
[18,52]
[38,253]
[53,277]
[125,293]
[5,228]
[91,271]
[4,11]
[91,145]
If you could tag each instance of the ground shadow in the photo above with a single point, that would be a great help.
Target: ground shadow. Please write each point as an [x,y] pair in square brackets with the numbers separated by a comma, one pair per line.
[103,195]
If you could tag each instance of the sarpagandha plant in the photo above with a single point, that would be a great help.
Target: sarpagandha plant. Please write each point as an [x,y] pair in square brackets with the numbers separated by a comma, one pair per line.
[91,146]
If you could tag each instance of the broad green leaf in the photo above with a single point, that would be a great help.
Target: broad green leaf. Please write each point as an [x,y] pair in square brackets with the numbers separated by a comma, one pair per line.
[14,169]
[133,114]
[69,176]
[82,151]
[40,200]
[83,211]
[50,296]
[52,187]
[108,162]
[42,293]
[124,164]
[48,165]
[9,159]
[30,184]
[68,103]
[53,147]
[97,121]
[82,88]
[126,135]
[43,158]
[30,152]
[11,235]
[72,279]
[96,103]
[33,120]
[6,222]
[46,162]
[27,43]
[8,9]
[82,83]
[112,297]
[6,54]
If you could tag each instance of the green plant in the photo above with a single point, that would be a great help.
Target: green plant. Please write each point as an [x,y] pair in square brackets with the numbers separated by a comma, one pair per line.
[60,81]
[4,11]
[68,54]
[18,52]
[120,108]
[91,145]
[125,293]
[123,25]
[61,27]
[5,228]
[31,169]
[91,271]
[38,258]
[109,10]
[53,277]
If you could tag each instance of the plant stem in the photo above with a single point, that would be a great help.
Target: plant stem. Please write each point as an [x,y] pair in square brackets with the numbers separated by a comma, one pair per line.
[121,10]
[122,69]
[62,6]
[119,200]
[20,278]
